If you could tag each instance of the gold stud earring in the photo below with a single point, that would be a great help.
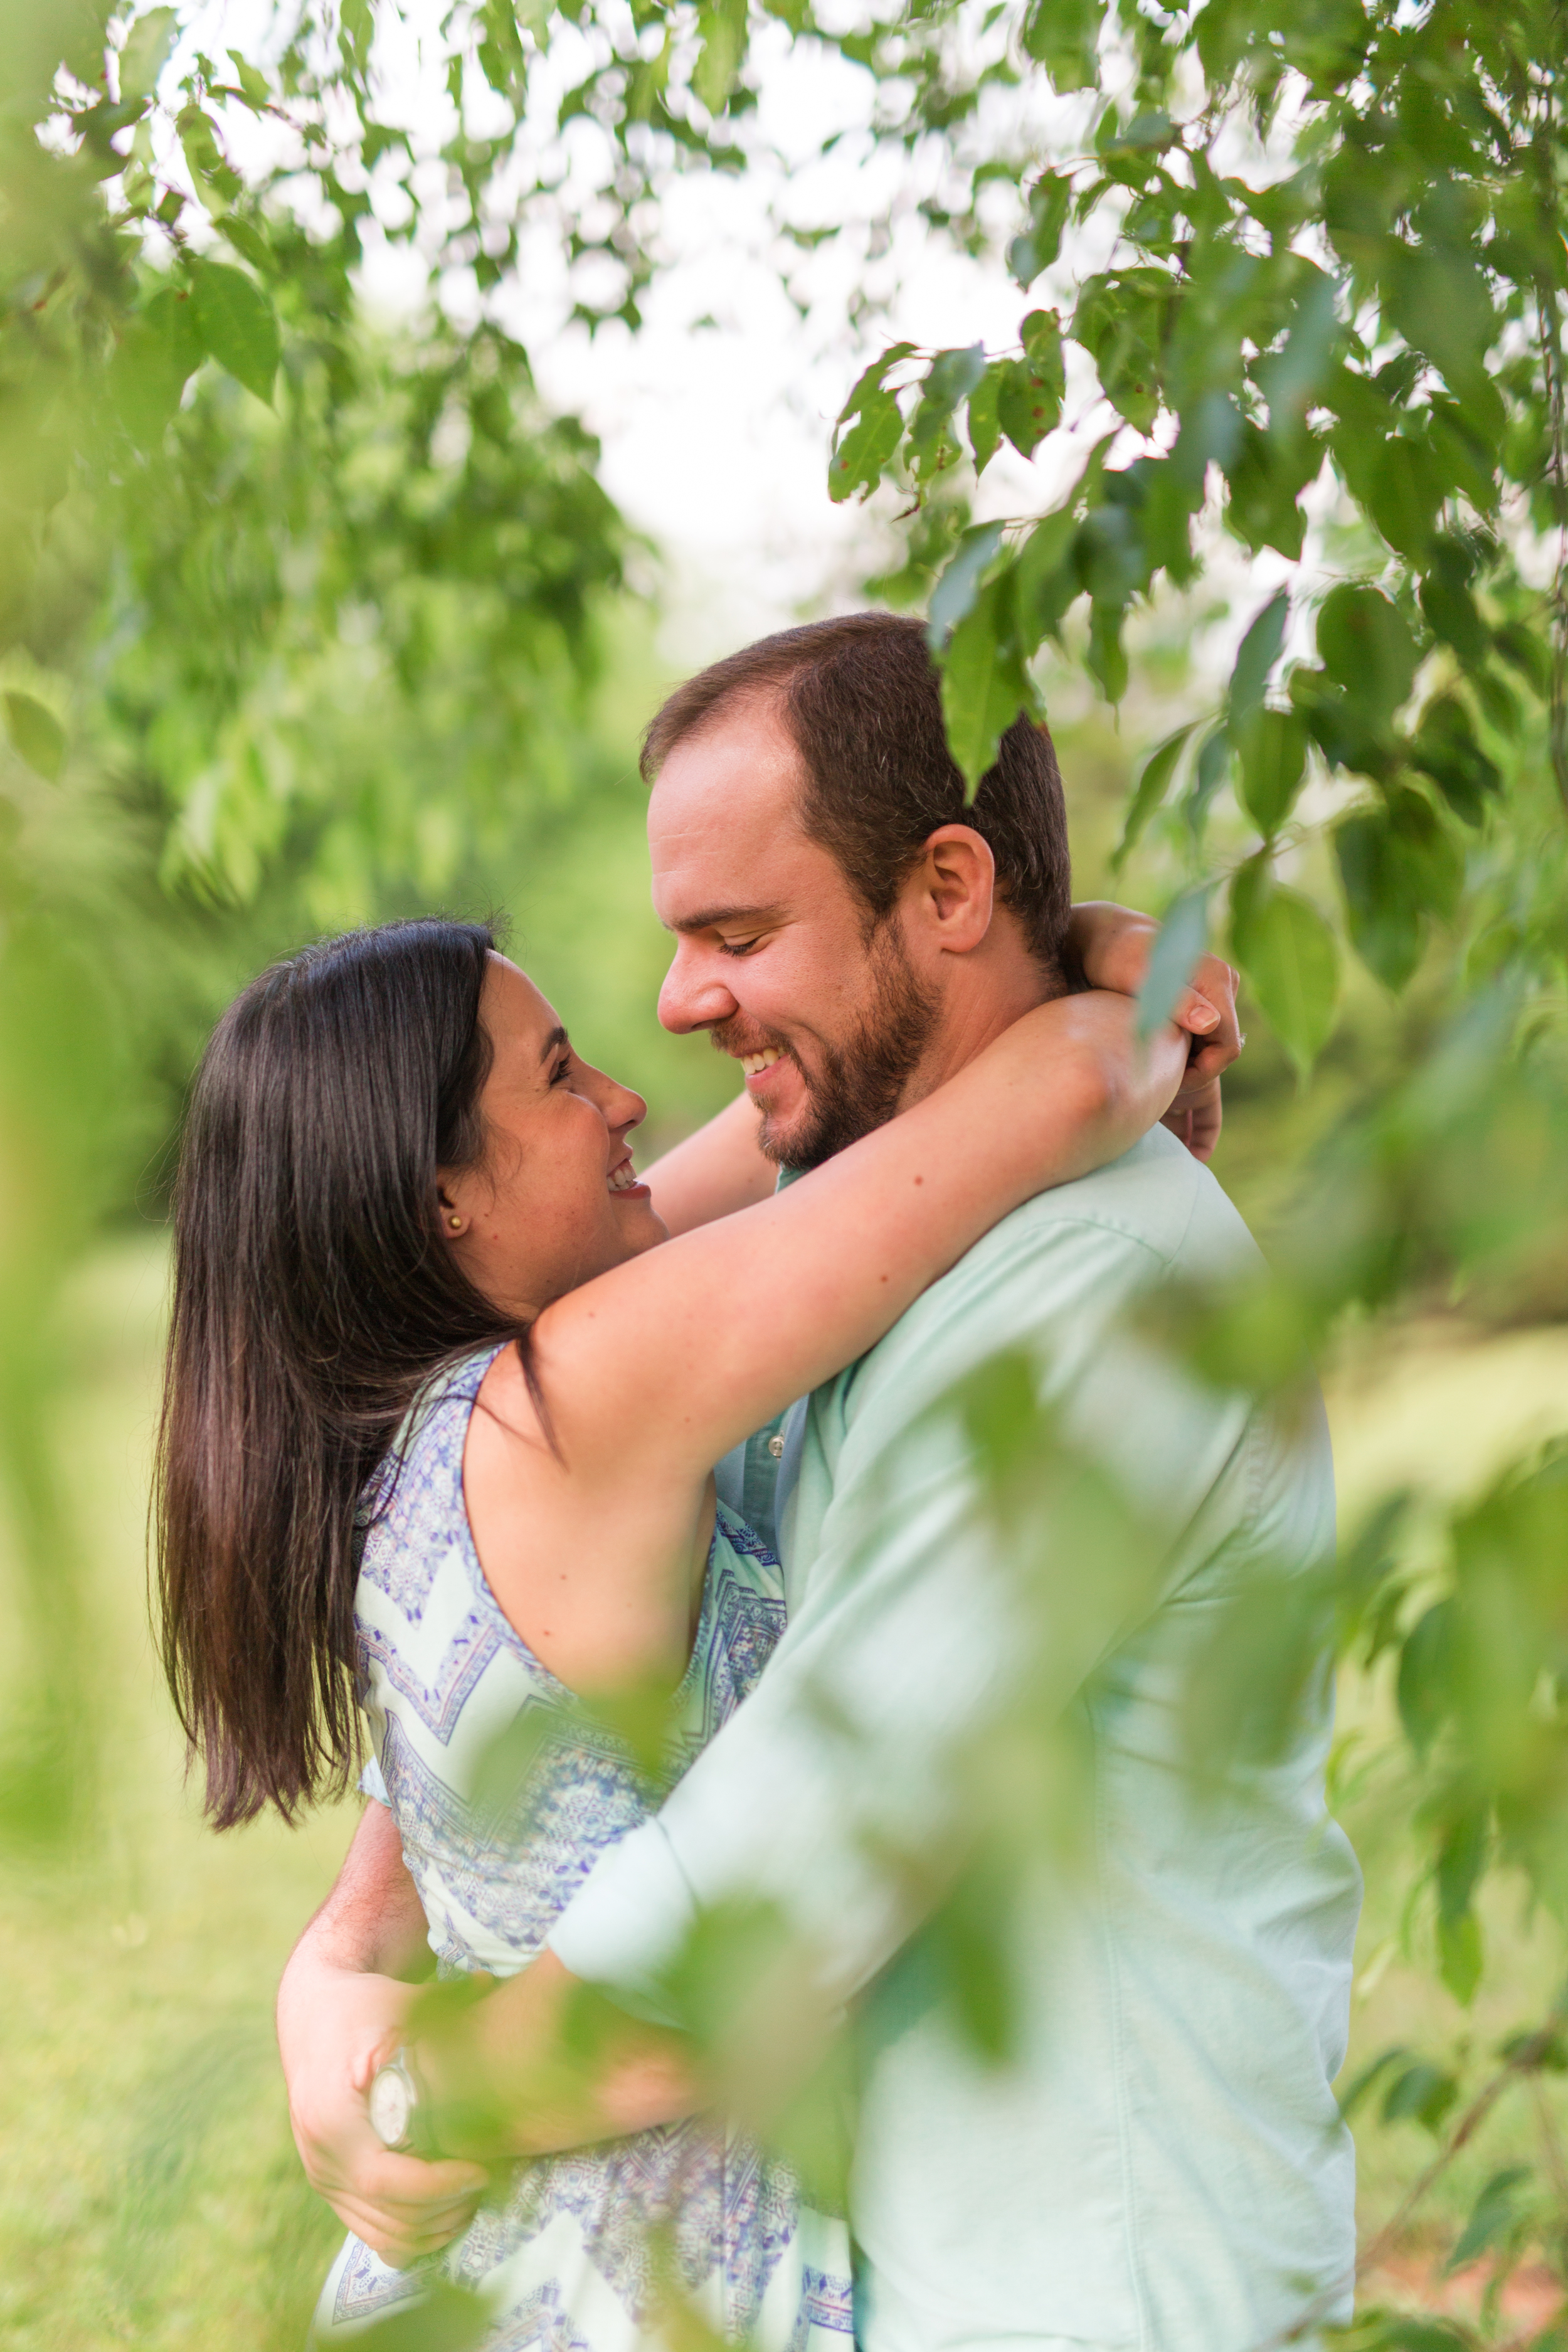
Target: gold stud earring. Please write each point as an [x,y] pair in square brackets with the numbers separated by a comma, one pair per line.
[455,1223]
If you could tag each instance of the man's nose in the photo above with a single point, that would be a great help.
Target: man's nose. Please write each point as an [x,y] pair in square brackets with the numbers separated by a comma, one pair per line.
[695,994]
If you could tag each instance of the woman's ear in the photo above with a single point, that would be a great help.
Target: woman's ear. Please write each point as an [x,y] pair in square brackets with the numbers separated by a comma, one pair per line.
[453,1221]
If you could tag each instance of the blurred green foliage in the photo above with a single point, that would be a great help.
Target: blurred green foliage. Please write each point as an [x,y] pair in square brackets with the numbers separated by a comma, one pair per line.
[303,621]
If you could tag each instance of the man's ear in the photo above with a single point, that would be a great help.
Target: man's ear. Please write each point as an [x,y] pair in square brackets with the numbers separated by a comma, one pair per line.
[953,891]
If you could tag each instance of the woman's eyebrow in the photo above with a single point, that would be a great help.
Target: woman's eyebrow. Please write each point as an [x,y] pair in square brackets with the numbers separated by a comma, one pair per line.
[556,1037]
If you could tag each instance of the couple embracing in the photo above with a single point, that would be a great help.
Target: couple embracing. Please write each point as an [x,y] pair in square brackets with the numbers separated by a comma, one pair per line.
[448,1387]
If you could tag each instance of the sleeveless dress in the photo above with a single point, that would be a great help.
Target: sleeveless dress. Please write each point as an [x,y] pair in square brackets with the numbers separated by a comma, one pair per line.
[505,1791]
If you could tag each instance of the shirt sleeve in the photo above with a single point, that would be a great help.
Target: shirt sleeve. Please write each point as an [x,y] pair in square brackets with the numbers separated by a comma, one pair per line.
[907,1633]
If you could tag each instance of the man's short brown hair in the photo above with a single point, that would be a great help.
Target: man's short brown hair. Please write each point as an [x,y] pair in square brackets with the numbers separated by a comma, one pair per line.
[861,700]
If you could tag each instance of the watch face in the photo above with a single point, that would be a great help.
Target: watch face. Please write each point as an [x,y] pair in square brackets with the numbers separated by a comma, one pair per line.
[391,2106]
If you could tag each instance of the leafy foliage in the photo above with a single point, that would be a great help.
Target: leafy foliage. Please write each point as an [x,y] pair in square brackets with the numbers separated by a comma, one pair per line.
[281,598]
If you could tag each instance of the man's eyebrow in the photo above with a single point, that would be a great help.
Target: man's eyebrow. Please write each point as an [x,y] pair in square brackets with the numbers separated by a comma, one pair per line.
[712,919]
[556,1037]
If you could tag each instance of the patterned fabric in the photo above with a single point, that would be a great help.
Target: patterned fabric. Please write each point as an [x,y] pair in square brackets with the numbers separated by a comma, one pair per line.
[505,1792]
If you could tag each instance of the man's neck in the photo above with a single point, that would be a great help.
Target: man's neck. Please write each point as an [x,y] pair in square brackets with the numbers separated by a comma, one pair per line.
[986,1001]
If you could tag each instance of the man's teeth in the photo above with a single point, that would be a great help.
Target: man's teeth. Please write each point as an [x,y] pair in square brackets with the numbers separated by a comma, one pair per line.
[754,1065]
[623,1177]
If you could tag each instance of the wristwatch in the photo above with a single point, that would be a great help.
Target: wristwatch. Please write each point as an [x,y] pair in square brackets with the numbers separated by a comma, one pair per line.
[400,2109]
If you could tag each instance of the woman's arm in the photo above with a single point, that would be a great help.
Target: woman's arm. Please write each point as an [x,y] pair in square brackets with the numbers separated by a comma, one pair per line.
[1112,946]
[719,1168]
[653,1371]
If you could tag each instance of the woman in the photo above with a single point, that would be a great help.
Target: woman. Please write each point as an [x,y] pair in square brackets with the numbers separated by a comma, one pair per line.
[402,1197]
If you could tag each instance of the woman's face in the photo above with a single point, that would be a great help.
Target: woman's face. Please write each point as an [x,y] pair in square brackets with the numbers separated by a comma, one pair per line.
[555,1199]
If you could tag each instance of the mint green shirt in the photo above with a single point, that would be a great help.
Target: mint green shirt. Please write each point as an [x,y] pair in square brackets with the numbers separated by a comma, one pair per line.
[1161,2164]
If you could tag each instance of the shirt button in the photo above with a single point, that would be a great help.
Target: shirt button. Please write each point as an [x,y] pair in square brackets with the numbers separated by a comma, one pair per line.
[775,1447]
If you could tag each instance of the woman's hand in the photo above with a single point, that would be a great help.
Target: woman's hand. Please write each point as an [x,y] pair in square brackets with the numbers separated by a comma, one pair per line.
[335,2027]
[342,2010]
[1112,945]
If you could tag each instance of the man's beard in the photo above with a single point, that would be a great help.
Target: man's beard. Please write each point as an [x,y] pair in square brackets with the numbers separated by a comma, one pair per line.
[859,1084]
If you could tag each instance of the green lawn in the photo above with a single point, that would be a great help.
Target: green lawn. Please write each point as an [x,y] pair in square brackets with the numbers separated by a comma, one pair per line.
[149,2193]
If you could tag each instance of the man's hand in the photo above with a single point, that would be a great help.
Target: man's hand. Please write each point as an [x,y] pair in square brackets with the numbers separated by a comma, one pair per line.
[1112,945]
[544,2063]
[341,2012]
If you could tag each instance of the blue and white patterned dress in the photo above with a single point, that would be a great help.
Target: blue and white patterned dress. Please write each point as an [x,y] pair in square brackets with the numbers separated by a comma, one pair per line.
[505,1792]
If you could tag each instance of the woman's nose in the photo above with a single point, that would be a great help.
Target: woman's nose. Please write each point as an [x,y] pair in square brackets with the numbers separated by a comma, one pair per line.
[628,1110]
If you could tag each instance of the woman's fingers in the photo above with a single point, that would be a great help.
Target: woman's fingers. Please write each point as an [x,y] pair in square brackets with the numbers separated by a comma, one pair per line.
[402,2207]
[1207,1012]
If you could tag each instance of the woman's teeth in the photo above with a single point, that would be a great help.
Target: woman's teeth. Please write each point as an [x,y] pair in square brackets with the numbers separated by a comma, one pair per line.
[622,1179]
[754,1065]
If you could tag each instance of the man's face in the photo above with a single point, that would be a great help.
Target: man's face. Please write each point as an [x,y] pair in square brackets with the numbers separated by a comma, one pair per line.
[773,955]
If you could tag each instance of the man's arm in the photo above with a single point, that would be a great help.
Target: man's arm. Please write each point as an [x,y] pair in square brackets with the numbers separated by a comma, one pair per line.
[342,2006]
[906,1640]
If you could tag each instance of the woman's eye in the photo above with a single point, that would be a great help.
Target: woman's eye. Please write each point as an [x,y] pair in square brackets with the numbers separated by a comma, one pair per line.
[562,1070]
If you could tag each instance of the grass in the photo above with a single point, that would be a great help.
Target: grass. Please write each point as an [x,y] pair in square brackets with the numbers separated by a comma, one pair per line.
[149,2193]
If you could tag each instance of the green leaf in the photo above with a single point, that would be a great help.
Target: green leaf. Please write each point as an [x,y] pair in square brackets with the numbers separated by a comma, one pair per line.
[1492,2216]
[871,379]
[1029,405]
[985,425]
[1107,654]
[247,241]
[1460,1956]
[985,686]
[1119,319]
[1448,606]
[1271,746]
[1443,747]
[1400,864]
[236,324]
[1420,2092]
[1424,1688]
[1184,936]
[36,733]
[1289,954]
[1266,479]
[861,455]
[502,57]
[356,22]
[158,353]
[1292,379]
[722,25]
[209,167]
[950,379]
[1046,577]
[1367,2078]
[1038,246]
[1063,36]
[1209,772]
[1365,646]
[148,44]
[1256,657]
[252,82]
[1439,301]
[1151,787]
[954,593]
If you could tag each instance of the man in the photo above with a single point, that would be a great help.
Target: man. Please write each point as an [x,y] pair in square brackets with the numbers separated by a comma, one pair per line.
[1159,2163]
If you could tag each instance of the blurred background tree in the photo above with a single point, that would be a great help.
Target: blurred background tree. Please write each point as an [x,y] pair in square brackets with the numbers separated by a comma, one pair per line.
[306,617]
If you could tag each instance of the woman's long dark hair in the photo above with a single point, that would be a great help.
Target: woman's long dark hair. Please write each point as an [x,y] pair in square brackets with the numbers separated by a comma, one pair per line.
[313,1296]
